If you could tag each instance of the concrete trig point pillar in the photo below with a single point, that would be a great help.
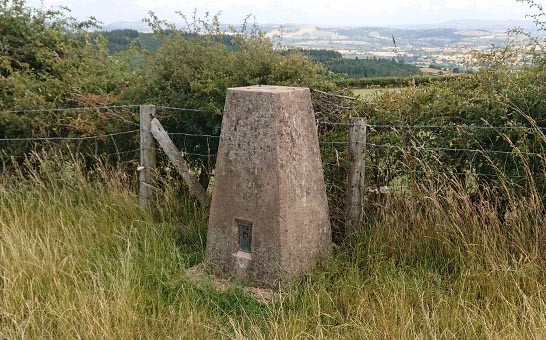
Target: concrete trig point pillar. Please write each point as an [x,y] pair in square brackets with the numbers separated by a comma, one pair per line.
[269,213]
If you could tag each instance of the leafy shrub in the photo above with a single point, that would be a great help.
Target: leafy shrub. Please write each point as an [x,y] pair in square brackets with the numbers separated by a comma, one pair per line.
[507,97]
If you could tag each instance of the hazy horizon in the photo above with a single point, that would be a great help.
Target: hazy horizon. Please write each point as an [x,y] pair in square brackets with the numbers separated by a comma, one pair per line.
[303,12]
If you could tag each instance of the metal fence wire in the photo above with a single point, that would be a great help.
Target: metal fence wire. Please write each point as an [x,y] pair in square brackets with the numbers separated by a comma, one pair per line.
[395,155]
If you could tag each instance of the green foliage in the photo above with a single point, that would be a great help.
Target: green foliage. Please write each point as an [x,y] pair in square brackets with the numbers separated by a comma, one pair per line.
[367,68]
[50,60]
[67,66]
[323,56]
[361,68]
[389,81]
[194,67]
[121,40]
[446,257]
[508,91]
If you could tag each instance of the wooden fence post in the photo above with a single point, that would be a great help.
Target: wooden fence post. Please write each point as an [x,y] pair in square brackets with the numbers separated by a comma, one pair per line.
[147,156]
[355,185]
[162,137]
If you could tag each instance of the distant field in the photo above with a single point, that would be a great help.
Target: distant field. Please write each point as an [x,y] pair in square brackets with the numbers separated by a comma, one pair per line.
[367,92]
[435,72]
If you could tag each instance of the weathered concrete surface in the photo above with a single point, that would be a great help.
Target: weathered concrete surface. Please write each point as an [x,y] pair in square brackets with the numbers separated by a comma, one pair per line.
[268,174]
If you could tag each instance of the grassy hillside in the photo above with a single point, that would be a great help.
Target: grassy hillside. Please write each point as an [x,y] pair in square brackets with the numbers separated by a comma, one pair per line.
[79,259]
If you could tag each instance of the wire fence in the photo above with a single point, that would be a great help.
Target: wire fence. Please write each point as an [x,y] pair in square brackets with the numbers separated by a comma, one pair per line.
[417,145]
[46,139]
[436,127]
[217,136]
[395,153]
[400,157]
[69,109]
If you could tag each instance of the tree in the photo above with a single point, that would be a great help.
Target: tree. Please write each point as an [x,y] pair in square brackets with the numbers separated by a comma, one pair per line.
[50,60]
[194,67]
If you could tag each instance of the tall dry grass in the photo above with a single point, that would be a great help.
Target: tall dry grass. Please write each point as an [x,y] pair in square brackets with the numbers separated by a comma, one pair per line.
[80,260]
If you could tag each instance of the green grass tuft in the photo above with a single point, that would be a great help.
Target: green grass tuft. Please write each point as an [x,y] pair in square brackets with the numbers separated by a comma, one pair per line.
[80,259]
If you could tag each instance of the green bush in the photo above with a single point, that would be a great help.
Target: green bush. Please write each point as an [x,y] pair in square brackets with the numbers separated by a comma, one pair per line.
[194,67]
[50,60]
[508,92]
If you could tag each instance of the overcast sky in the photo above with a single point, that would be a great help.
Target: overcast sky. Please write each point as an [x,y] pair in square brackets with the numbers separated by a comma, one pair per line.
[321,12]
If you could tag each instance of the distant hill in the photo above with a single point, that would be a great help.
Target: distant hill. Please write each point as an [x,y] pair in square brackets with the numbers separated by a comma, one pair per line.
[139,26]
[467,24]
[445,44]
[471,24]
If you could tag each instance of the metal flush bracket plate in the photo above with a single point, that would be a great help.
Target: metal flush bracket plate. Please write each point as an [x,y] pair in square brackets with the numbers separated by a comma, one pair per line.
[245,236]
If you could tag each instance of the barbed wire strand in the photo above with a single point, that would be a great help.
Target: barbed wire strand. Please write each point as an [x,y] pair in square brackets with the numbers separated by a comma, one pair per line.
[31,139]
[389,146]
[192,135]
[463,127]
[161,107]
[394,126]
[423,148]
[423,172]
[82,108]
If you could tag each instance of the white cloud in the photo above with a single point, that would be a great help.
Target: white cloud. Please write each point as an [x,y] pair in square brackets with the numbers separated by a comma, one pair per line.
[48,3]
[325,12]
